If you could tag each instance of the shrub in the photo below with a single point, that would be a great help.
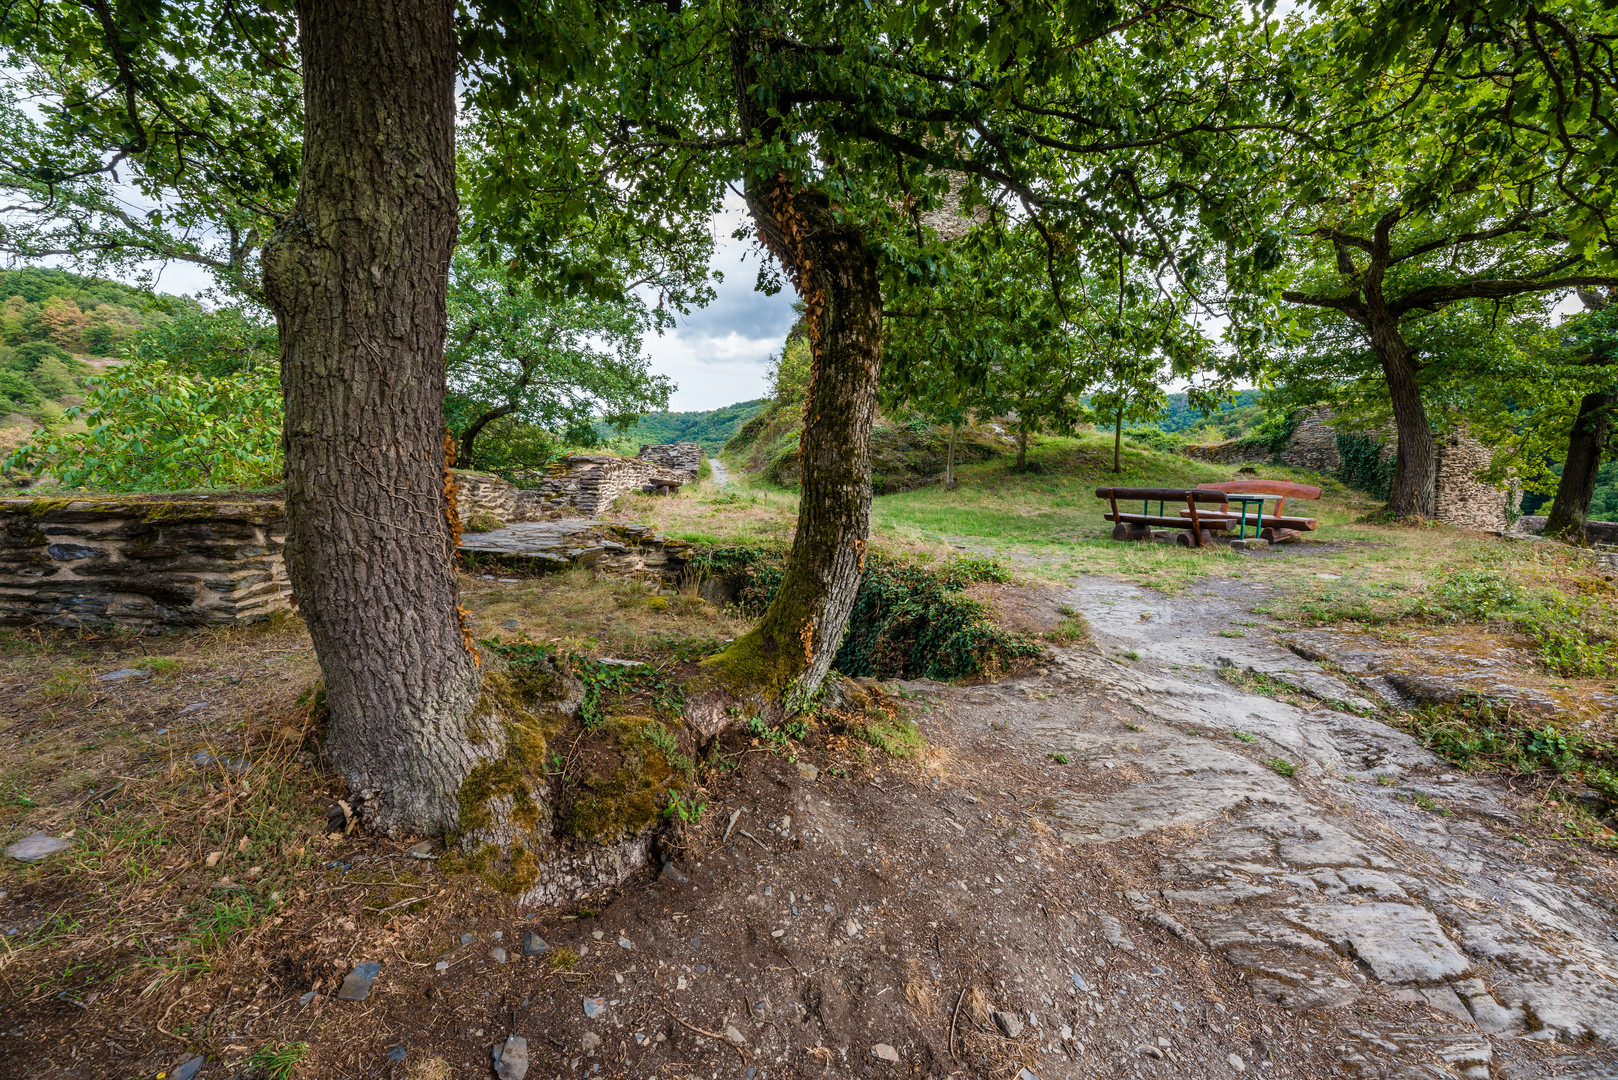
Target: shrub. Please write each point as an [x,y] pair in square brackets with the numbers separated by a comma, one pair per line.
[152,427]
[1363,467]
[908,622]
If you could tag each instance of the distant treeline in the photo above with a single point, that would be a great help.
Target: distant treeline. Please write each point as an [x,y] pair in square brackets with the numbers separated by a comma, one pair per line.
[709,429]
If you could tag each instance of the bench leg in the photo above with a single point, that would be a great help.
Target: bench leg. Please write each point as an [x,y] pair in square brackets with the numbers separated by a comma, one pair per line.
[1185,539]
[1128,530]
[1280,536]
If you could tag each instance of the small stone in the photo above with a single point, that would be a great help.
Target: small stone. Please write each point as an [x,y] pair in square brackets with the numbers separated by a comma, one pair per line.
[306,998]
[466,939]
[121,673]
[187,1068]
[498,935]
[357,983]
[497,954]
[511,1058]
[598,934]
[195,706]
[671,874]
[885,1052]
[1078,981]
[1236,1062]
[37,846]
[777,933]
[625,943]
[213,859]
[1027,1074]
[594,1007]
[1145,1050]
[442,965]
[511,624]
[1010,1024]
[533,944]
[808,772]
[423,850]
[591,1042]
[735,1037]
[1066,1033]
[397,1054]
[254,872]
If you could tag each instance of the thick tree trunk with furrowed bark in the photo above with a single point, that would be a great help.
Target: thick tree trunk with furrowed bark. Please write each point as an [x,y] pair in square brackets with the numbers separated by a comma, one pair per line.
[1415,471]
[835,272]
[357,277]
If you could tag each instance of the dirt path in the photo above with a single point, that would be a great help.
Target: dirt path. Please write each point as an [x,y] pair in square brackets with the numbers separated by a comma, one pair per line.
[721,475]
[1329,889]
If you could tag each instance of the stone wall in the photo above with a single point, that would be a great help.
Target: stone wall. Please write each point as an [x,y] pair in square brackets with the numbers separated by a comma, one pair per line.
[1229,452]
[1313,444]
[486,496]
[1461,498]
[141,562]
[681,458]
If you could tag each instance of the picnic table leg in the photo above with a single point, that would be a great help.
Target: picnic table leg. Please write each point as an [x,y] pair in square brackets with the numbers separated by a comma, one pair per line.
[1196,523]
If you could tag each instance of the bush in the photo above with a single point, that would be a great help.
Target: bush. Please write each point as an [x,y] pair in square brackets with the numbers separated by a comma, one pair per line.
[155,428]
[908,622]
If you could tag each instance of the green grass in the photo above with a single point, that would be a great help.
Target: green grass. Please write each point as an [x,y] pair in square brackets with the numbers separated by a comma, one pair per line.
[1280,766]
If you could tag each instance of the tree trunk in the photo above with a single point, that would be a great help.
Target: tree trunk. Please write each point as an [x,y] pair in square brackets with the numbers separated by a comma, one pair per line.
[357,278]
[470,435]
[1118,441]
[835,272]
[1591,429]
[1022,443]
[1585,443]
[1415,471]
[949,462]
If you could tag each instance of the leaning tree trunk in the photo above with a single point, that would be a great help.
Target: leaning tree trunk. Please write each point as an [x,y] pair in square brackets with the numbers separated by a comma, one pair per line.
[1585,443]
[357,277]
[1591,429]
[949,462]
[834,271]
[1118,441]
[1415,471]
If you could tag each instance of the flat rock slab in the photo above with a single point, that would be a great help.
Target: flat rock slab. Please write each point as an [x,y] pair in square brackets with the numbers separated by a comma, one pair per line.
[1328,885]
[37,846]
[511,1058]
[357,983]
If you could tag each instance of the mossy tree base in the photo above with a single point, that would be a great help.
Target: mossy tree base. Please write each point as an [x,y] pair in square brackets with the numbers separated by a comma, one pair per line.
[556,810]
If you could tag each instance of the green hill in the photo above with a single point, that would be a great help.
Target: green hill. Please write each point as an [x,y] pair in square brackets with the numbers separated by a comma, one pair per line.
[709,429]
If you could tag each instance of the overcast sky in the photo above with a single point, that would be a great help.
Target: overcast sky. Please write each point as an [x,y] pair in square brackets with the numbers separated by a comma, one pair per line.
[717,356]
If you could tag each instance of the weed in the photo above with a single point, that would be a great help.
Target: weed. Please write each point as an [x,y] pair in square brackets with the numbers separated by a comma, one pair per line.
[1232,633]
[1073,628]
[562,959]
[277,1063]
[1131,654]
[1280,766]
[1244,736]
[687,810]
[999,725]
[159,665]
[1386,779]
[1427,802]
[1058,757]
[1134,727]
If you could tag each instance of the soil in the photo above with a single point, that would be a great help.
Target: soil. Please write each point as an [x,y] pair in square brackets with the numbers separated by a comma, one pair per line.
[862,918]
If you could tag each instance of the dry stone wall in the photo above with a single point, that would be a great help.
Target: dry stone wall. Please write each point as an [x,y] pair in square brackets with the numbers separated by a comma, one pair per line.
[1313,444]
[682,458]
[141,562]
[1461,498]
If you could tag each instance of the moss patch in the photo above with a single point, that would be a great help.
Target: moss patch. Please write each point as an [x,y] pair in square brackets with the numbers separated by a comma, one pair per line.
[632,775]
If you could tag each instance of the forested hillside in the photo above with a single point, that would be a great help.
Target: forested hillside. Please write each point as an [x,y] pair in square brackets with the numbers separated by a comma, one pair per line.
[710,429]
[50,320]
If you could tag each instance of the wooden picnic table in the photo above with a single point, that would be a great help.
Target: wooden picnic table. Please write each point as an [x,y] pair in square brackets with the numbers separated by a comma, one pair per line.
[1198,520]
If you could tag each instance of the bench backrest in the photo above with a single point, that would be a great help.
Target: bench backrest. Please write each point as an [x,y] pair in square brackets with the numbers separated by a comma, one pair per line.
[1283,488]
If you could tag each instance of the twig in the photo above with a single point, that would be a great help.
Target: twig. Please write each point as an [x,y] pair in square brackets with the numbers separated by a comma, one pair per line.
[735,817]
[954,1016]
[402,903]
[755,839]
[711,1035]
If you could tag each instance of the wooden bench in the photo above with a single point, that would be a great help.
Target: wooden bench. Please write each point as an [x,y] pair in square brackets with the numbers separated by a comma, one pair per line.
[1196,526]
[1272,527]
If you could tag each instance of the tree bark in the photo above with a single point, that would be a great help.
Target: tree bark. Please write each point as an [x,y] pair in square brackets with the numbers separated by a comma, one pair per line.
[1415,470]
[949,461]
[1585,442]
[1118,442]
[834,271]
[357,278]
[1022,443]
